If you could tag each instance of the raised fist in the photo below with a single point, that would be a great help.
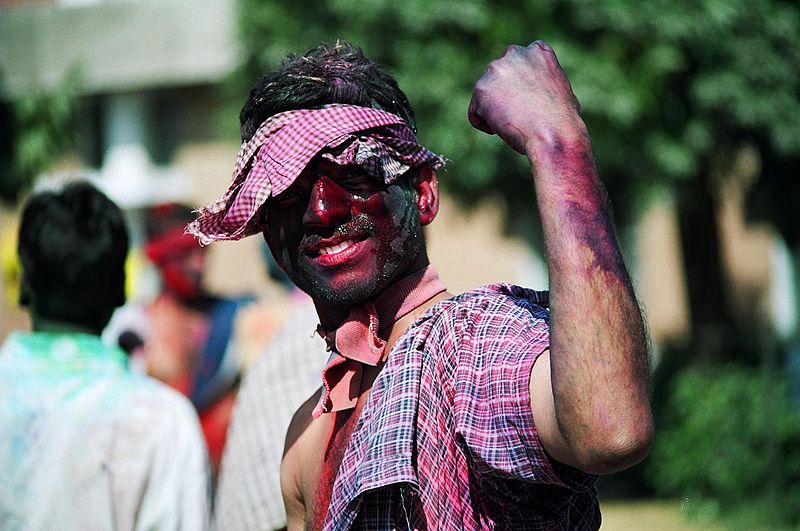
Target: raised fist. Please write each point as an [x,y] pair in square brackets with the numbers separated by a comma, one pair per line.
[524,97]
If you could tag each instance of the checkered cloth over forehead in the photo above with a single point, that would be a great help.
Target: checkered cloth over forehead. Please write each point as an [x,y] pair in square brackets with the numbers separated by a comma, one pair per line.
[380,142]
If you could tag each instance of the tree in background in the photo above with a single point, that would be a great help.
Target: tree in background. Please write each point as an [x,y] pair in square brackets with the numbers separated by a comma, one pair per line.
[671,91]
[720,76]
[35,130]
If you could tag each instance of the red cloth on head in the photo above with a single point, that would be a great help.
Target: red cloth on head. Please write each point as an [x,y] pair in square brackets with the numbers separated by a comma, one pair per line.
[167,245]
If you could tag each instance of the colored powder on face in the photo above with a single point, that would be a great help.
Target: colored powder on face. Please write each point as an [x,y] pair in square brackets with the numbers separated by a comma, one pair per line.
[333,209]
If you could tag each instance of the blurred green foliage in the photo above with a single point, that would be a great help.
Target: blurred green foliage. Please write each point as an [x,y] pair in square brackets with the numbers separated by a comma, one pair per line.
[727,446]
[665,86]
[37,130]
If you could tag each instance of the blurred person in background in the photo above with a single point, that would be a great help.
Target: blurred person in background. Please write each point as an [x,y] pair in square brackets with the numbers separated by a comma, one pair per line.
[84,442]
[478,411]
[186,336]
[281,376]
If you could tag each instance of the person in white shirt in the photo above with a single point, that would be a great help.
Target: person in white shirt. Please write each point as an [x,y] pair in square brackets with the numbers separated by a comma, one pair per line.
[84,442]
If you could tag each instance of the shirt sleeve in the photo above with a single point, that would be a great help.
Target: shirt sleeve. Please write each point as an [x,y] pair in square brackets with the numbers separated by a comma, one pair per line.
[499,341]
[177,496]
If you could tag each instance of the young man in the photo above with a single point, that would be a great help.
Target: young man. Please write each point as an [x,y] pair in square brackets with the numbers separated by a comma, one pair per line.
[482,410]
[85,443]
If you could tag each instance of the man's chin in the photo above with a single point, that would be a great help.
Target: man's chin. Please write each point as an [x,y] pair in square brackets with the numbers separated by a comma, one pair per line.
[348,287]
[344,296]
[342,293]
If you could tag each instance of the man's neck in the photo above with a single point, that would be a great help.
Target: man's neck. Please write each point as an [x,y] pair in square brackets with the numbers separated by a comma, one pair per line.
[51,326]
[331,317]
[367,336]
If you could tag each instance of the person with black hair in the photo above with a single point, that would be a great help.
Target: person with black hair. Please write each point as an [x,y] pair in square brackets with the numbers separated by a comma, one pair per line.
[85,443]
[493,409]
[327,74]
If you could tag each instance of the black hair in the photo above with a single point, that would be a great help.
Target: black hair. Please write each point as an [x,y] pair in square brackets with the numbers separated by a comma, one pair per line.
[166,216]
[72,246]
[328,73]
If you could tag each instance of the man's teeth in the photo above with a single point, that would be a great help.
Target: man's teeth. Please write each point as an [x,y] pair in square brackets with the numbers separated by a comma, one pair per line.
[339,247]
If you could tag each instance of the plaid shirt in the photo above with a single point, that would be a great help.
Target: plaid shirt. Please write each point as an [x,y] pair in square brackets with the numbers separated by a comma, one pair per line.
[446,439]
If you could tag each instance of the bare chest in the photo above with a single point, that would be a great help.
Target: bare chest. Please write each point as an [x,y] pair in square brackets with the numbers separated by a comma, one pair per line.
[322,447]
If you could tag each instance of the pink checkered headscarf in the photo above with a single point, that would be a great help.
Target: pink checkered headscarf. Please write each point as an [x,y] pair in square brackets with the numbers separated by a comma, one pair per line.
[378,141]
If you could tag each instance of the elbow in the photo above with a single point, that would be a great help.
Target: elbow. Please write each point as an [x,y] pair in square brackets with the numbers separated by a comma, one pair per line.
[615,450]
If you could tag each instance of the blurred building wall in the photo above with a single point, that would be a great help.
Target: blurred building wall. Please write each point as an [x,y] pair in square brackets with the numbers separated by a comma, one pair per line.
[658,272]
[147,73]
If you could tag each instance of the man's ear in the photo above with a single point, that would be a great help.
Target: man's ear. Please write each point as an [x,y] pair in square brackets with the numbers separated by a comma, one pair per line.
[427,188]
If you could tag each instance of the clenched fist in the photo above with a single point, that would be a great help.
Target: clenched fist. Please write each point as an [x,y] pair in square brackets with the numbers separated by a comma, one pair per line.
[524,97]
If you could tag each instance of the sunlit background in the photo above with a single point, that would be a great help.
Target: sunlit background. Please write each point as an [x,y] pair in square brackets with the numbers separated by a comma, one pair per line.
[694,110]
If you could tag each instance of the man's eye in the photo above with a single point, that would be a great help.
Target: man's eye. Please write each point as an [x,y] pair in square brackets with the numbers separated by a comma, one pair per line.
[358,180]
[289,197]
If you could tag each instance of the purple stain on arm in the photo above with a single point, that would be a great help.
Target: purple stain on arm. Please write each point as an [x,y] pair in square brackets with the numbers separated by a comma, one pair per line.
[588,213]
[593,228]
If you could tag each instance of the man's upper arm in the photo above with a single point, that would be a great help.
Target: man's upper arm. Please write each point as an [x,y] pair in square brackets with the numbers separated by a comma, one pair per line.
[296,458]
[498,345]
[544,412]
[290,491]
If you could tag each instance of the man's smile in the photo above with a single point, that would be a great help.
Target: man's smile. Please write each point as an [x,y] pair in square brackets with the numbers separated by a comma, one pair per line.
[336,248]
[355,231]
[345,244]
[340,254]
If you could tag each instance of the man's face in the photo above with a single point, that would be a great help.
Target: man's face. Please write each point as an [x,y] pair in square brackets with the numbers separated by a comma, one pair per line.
[183,272]
[341,235]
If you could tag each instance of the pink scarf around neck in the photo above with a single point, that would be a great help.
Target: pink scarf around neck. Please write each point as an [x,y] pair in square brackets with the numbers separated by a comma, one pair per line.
[356,341]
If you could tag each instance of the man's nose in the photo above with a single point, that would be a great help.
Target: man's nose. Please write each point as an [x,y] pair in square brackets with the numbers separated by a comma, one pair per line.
[328,204]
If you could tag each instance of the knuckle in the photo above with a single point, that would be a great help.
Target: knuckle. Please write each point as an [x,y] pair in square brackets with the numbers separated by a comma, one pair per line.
[541,48]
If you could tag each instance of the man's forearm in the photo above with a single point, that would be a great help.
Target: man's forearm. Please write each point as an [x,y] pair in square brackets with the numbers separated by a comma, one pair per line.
[598,353]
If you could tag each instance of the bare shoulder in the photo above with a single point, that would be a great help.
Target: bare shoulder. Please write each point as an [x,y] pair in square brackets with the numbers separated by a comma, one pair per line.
[302,461]
[299,426]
